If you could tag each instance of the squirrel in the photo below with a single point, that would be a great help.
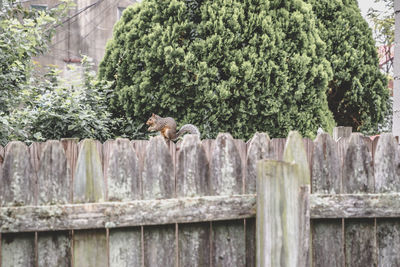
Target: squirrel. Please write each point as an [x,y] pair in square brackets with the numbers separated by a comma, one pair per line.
[167,127]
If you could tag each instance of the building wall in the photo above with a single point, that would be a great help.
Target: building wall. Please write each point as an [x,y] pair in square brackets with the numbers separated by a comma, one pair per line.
[86,30]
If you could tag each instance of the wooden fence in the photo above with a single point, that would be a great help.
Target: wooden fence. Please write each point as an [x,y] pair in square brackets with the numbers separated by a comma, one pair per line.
[143,203]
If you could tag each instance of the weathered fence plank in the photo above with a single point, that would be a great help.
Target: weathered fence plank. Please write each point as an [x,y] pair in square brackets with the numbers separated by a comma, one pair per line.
[226,179]
[158,183]
[341,131]
[259,148]
[278,146]
[53,175]
[193,168]
[387,179]
[54,188]
[355,205]
[193,180]
[282,232]
[124,214]
[326,176]
[358,177]
[122,172]
[297,150]
[89,246]
[17,187]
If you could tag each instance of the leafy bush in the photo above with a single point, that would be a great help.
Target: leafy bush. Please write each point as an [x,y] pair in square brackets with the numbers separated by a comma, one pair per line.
[358,94]
[234,66]
[54,109]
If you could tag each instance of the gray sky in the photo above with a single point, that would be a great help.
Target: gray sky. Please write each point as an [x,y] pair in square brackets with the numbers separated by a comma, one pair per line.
[366,4]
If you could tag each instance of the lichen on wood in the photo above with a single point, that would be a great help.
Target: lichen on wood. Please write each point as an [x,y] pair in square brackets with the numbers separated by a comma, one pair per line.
[89,181]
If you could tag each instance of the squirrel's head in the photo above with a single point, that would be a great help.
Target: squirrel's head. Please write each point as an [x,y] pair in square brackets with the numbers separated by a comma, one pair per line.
[152,120]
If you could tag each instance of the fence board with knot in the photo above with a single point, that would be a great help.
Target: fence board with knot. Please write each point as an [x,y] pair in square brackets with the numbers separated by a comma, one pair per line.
[146,203]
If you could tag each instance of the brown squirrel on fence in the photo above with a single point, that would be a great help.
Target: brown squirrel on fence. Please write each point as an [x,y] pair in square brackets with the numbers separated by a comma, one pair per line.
[167,127]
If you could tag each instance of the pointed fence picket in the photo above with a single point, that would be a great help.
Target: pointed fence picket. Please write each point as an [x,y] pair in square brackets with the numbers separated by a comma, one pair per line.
[152,203]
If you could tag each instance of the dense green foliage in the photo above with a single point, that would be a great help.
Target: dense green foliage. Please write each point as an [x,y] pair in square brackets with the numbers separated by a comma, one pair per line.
[358,94]
[235,66]
[36,106]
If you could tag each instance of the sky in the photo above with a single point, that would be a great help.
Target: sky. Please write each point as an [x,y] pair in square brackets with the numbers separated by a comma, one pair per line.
[366,4]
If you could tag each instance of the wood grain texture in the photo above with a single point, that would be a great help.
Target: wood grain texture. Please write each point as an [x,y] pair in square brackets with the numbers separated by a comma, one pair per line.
[89,246]
[341,131]
[125,247]
[53,175]
[122,172]
[355,205]
[123,214]
[259,147]
[158,173]
[326,176]
[358,177]
[193,168]
[278,146]
[140,147]
[228,244]
[326,167]
[159,183]
[159,245]
[193,180]
[295,152]
[54,248]
[89,182]
[17,187]
[387,179]
[227,179]
[328,243]
[282,234]
[70,146]
[226,167]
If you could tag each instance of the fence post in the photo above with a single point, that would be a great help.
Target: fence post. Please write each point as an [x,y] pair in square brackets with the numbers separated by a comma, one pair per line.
[283,212]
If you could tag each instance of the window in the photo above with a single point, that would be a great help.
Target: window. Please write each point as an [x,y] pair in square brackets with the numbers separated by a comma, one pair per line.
[39,7]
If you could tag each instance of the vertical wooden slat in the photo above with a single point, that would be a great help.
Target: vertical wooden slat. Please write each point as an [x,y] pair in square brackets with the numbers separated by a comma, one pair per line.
[193,180]
[358,177]
[387,179]
[259,147]
[326,166]
[54,188]
[341,131]
[17,187]
[122,174]
[297,152]
[90,246]
[326,178]
[158,183]
[228,245]
[282,215]
[278,145]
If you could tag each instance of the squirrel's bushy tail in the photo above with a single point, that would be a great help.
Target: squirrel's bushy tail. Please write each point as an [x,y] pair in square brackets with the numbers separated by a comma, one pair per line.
[188,128]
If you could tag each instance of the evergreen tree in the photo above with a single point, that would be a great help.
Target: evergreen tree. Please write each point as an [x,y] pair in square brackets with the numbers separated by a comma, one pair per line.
[358,93]
[234,66]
